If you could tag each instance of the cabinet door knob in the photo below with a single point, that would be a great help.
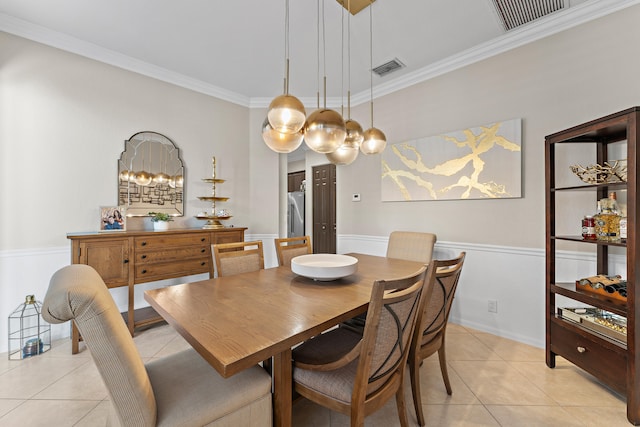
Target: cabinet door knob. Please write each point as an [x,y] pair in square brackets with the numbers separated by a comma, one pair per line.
[144,271]
[203,250]
[144,257]
[203,239]
[144,243]
[126,261]
[581,349]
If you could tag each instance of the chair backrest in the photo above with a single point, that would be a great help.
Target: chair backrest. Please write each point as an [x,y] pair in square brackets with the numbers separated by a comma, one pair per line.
[77,292]
[411,245]
[290,247]
[238,257]
[443,279]
[391,318]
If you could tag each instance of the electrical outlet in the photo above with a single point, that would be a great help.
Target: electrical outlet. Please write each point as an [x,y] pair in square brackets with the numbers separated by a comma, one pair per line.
[355,197]
[493,306]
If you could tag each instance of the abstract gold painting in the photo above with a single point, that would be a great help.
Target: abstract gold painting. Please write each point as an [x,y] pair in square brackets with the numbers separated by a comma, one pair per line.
[482,162]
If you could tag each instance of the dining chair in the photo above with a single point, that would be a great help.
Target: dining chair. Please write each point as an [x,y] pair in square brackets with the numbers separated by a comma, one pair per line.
[238,257]
[411,245]
[180,389]
[357,374]
[407,245]
[431,327]
[288,248]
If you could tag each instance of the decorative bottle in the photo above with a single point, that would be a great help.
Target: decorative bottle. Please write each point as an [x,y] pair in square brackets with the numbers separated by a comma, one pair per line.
[607,222]
[614,225]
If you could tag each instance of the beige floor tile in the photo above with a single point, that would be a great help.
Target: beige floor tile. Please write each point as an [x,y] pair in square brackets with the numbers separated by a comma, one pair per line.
[151,341]
[598,416]
[35,374]
[432,388]
[176,344]
[569,385]
[498,383]
[46,413]
[453,328]
[511,350]
[62,348]
[6,364]
[7,405]
[84,383]
[539,416]
[458,416]
[467,347]
[97,417]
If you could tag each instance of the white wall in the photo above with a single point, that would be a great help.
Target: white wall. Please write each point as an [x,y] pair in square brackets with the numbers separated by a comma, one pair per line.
[63,120]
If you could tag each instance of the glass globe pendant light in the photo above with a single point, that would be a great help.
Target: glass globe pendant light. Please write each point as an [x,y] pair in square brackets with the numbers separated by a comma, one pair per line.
[286,113]
[324,130]
[278,141]
[375,140]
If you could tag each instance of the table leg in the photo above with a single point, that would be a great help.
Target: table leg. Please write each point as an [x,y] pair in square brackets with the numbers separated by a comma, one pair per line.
[282,386]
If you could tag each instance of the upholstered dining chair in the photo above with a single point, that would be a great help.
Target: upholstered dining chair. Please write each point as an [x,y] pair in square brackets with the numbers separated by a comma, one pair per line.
[408,245]
[178,390]
[356,374]
[411,245]
[431,326]
[288,248]
[238,257]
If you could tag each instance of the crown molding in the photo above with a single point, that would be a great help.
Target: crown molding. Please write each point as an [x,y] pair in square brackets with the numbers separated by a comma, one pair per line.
[536,30]
[67,43]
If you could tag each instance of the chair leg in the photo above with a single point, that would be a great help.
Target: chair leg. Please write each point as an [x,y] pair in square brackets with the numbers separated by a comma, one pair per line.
[443,368]
[402,407]
[414,373]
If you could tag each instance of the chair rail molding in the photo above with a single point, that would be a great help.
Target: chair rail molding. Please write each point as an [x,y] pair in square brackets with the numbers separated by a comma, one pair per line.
[513,276]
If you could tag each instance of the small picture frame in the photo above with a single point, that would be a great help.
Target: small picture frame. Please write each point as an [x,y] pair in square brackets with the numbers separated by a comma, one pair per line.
[113,218]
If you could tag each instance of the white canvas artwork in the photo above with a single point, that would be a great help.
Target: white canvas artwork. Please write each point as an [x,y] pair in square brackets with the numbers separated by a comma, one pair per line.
[483,162]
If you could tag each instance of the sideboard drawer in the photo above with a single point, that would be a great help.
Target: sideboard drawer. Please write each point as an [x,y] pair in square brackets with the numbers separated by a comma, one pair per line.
[171,240]
[172,255]
[150,272]
[597,356]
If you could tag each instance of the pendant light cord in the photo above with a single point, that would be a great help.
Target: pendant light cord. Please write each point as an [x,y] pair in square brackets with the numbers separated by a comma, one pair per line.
[371,58]
[286,47]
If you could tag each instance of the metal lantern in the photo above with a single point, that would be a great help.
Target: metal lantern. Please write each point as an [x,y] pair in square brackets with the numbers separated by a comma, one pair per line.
[29,334]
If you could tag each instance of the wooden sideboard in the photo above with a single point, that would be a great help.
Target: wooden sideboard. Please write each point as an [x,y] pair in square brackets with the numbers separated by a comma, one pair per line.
[129,258]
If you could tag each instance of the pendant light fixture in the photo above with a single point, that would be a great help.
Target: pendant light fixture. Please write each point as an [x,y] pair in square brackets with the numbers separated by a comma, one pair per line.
[374,139]
[286,113]
[348,151]
[278,141]
[324,131]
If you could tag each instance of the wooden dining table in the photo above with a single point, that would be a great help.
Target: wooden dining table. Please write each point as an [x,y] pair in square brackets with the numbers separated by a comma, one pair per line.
[235,322]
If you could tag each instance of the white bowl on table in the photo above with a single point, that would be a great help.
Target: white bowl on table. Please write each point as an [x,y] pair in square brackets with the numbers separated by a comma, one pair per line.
[324,267]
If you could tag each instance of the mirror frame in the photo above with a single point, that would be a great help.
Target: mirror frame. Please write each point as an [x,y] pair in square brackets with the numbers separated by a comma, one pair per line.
[157,156]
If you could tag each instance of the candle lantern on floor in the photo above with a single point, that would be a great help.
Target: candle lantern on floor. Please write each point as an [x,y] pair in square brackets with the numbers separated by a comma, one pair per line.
[29,334]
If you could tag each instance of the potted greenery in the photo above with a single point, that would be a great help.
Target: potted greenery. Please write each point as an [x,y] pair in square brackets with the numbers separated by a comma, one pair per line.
[160,220]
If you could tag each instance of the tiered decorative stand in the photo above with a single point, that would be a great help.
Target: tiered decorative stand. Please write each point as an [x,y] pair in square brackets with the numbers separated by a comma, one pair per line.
[214,218]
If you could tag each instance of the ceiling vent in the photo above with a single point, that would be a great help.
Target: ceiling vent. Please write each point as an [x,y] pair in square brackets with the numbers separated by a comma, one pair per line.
[388,67]
[514,13]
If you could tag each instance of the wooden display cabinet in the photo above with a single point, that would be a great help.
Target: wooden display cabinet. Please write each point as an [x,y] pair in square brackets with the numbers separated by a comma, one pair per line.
[132,257]
[611,361]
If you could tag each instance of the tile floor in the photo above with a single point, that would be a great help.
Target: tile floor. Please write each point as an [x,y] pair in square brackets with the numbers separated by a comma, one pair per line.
[496,382]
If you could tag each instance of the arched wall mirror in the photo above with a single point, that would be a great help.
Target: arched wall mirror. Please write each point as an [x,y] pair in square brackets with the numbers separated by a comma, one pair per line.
[150,176]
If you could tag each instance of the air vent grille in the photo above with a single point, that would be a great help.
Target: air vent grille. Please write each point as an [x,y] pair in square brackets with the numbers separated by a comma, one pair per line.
[514,13]
[388,67]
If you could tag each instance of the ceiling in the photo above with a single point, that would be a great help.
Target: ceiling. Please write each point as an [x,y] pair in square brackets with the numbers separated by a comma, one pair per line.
[235,49]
